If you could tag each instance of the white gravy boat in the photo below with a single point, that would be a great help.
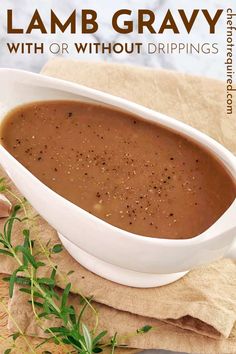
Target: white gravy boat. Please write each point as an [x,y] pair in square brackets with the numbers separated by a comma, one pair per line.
[104,249]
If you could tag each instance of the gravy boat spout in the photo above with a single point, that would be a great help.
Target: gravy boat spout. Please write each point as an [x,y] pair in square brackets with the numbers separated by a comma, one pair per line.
[111,252]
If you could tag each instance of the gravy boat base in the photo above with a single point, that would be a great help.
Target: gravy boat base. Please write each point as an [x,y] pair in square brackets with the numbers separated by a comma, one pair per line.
[117,274]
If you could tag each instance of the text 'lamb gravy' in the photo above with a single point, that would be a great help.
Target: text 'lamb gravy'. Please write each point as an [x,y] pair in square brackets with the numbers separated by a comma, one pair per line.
[133,174]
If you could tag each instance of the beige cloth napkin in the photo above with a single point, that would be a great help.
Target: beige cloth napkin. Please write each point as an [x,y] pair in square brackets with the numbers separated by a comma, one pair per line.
[197,314]
[21,345]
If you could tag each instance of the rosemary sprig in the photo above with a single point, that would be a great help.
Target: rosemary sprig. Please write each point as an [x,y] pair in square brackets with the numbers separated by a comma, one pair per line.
[72,331]
[47,302]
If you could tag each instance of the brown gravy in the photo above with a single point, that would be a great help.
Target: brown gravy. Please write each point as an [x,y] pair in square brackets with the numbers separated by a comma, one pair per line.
[135,175]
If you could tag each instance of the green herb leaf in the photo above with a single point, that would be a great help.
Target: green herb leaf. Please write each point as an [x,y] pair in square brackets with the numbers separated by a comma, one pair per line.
[2,241]
[6,253]
[46,281]
[6,279]
[65,295]
[144,329]
[61,329]
[56,340]
[72,315]
[99,337]
[25,290]
[57,248]
[12,281]
[40,264]
[87,338]
[8,351]
[35,293]
[113,343]
[43,314]
[26,252]
[9,223]
[15,336]
[42,343]
[23,281]
[48,243]
[36,303]
[97,350]
[26,234]
[53,273]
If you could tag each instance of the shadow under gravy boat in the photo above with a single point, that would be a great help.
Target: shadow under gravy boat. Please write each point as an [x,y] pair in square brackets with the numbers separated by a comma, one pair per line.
[106,250]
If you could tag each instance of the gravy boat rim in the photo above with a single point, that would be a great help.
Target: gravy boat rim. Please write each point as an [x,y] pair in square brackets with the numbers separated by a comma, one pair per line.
[219,151]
